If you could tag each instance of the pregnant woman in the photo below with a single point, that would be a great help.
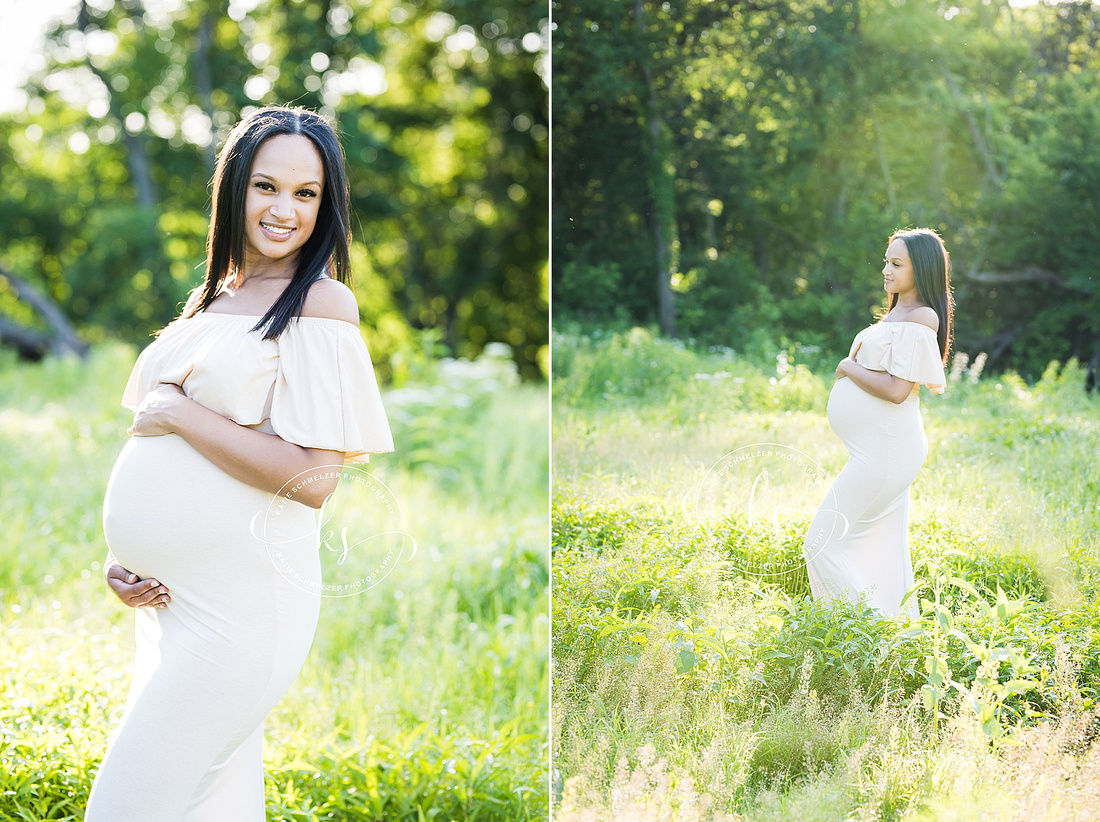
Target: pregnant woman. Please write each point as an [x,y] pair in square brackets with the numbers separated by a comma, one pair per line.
[263,379]
[858,542]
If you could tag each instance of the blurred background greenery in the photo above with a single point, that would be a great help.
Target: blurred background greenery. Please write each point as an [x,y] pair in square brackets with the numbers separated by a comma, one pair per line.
[731,170]
[429,697]
[425,697]
[107,154]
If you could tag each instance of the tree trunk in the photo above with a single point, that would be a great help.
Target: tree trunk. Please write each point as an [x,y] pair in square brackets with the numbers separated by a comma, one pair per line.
[29,344]
[137,157]
[880,148]
[661,193]
[996,345]
[937,180]
[1027,274]
[980,145]
[1092,376]
[203,82]
[840,209]
[34,344]
[710,225]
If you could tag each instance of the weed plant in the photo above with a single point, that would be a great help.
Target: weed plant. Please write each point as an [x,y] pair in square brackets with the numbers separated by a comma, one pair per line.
[425,697]
[690,684]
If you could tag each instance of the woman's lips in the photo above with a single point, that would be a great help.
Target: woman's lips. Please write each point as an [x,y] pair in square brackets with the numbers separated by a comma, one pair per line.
[275,232]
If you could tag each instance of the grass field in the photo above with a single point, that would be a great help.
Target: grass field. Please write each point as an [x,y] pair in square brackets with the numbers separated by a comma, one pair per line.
[688,686]
[424,698]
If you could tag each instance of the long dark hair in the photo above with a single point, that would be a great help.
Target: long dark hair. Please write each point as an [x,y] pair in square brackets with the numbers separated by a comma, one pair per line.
[932,272]
[326,250]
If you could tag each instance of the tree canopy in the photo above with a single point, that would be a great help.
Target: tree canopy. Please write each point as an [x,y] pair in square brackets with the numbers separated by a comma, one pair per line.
[442,110]
[777,144]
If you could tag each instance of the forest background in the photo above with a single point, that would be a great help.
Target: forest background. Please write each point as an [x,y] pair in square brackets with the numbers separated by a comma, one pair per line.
[730,171]
[442,108]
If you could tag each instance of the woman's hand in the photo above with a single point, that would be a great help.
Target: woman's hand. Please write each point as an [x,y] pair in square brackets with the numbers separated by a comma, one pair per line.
[133,591]
[156,415]
[879,384]
[842,368]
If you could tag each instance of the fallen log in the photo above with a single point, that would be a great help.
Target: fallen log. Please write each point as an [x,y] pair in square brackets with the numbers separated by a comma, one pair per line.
[33,344]
[1028,274]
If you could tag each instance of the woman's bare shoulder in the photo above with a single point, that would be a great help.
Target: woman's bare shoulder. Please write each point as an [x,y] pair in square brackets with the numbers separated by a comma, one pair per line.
[331,299]
[925,315]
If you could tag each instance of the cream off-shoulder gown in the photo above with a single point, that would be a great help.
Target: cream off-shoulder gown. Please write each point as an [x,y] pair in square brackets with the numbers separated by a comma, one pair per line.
[857,541]
[213,664]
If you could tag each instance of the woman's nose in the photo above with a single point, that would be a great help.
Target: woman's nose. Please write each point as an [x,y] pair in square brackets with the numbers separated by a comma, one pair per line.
[282,207]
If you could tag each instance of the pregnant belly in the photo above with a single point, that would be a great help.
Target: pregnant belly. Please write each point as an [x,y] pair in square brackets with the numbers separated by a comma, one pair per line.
[866,423]
[171,513]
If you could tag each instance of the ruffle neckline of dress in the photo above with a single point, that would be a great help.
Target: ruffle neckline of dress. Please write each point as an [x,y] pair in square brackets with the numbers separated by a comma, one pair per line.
[260,316]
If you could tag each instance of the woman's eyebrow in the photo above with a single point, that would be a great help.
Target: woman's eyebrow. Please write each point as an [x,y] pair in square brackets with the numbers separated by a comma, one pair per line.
[269,177]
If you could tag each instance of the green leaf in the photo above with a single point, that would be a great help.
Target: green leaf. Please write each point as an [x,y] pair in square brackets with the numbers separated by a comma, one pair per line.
[959,582]
[684,661]
[711,642]
[992,728]
[612,628]
[943,616]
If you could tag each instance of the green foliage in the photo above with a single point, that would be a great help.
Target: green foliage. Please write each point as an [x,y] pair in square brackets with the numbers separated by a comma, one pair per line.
[837,646]
[462,394]
[723,301]
[591,291]
[772,551]
[971,668]
[591,369]
[442,112]
[635,364]
[425,697]
[578,525]
[799,136]
[803,737]
[766,700]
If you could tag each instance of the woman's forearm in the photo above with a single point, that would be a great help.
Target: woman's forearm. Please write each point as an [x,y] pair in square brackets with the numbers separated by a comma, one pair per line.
[879,384]
[264,461]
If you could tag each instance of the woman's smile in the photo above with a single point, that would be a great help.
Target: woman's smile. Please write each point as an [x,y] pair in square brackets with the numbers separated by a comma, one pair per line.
[276,232]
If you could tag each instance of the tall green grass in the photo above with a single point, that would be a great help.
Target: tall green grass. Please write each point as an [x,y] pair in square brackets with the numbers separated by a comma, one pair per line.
[686,687]
[425,697]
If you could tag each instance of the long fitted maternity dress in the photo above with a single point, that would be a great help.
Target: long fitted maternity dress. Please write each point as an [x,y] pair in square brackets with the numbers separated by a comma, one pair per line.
[213,664]
[858,542]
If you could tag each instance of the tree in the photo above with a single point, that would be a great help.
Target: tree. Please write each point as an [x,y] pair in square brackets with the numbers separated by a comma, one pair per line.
[443,117]
[799,135]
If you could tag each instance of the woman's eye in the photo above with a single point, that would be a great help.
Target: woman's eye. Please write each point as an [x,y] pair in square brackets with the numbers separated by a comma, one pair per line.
[307,193]
[264,186]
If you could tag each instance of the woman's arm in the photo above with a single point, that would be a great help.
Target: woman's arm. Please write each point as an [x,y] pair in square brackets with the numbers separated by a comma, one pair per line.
[264,461]
[876,383]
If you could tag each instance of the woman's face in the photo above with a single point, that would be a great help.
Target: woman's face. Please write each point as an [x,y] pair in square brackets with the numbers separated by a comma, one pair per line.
[897,273]
[283,199]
